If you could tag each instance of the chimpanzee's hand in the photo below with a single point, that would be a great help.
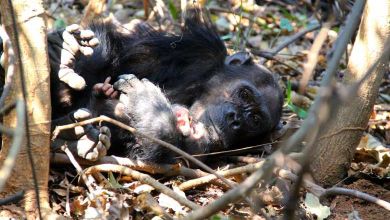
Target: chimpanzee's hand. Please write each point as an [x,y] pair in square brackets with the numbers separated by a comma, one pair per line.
[146,105]
[150,112]
[74,42]
[105,90]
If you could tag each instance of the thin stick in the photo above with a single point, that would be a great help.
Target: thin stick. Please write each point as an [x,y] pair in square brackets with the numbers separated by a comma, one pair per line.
[357,194]
[312,57]
[19,133]
[207,179]
[165,169]
[143,178]
[135,132]
[293,38]
[88,181]
[9,64]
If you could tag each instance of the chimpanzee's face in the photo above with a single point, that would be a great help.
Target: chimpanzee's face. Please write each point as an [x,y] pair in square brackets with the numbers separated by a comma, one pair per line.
[239,108]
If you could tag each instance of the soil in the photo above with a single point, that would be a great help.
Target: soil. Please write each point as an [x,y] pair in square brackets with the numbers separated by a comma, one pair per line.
[342,206]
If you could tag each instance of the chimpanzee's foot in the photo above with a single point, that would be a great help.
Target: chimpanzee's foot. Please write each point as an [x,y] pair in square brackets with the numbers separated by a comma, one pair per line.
[76,42]
[93,145]
[88,141]
[126,83]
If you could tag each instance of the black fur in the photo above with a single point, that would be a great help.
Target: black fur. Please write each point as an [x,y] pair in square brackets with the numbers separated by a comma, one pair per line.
[191,70]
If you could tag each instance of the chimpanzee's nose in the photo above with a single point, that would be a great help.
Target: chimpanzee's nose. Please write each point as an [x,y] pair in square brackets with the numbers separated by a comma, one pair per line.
[233,119]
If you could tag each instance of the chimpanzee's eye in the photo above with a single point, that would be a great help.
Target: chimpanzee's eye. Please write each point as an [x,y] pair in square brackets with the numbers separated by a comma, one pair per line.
[256,119]
[245,94]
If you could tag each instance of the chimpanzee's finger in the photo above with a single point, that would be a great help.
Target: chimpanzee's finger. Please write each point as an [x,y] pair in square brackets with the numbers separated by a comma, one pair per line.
[71,42]
[86,51]
[106,87]
[73,28]
[114,95]
[107,80]
[109,92]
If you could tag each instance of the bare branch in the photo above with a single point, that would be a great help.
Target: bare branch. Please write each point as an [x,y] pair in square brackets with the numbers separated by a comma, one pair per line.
[18,137]
[357,194]
[135,132]
[88,181]
[9,63]
[144,178]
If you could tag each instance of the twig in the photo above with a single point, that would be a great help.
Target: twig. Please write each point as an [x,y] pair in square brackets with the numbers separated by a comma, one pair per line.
[5,109]
[240,191]
[269,56]
[245,159]
[93,9]
[88,181]
[239,150]
[9,64]
[314,119]
[206,179]
[143,178]
[135,132]
[357,194]
[293,38]
[12,198]
[19,133]
[6,130]
[312,57]
[151,168]
[165,169]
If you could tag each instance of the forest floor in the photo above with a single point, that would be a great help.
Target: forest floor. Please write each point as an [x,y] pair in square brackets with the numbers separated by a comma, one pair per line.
[243,25]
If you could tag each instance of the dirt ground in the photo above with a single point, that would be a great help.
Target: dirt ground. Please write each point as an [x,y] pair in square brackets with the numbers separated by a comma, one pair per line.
[342,206]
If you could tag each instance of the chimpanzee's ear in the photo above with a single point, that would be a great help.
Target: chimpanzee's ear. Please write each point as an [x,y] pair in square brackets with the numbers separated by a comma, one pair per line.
[239,58]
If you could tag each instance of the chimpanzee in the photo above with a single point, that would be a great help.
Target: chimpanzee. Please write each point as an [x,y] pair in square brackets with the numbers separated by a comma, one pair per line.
[183,89]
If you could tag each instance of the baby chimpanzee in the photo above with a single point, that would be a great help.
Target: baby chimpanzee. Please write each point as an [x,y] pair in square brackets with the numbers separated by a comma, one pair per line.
[231,101]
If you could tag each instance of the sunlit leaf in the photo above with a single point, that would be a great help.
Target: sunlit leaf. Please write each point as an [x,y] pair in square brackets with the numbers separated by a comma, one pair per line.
[173,10]
[314,206]
[113,181]
[59,24]
[285,24]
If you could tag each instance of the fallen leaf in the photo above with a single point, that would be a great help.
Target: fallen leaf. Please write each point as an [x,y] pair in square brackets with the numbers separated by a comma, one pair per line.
[314,206]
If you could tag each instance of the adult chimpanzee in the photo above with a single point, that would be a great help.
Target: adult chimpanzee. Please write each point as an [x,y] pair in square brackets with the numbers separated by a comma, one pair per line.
[231,101]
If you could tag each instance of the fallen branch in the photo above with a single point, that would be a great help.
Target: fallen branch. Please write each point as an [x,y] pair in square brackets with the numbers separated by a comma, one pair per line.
[155,140]
[143,178]
[165,169]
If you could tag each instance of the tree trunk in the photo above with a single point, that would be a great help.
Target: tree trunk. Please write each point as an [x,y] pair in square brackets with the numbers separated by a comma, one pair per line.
[338,140]
[31,34]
